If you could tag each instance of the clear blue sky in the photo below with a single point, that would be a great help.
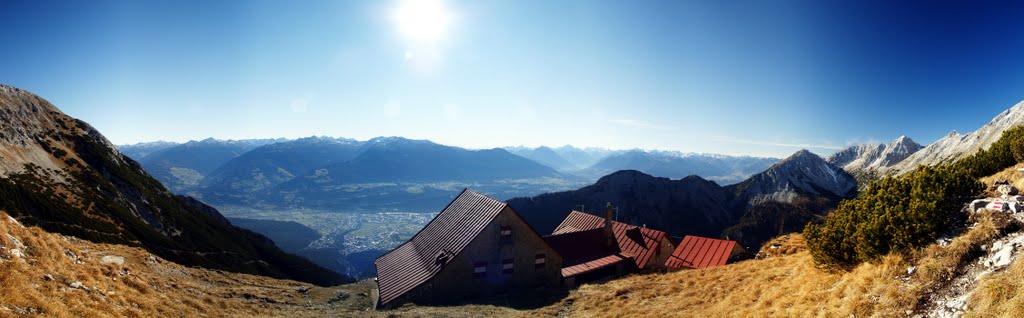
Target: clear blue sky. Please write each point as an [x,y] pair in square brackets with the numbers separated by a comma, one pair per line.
[735,77]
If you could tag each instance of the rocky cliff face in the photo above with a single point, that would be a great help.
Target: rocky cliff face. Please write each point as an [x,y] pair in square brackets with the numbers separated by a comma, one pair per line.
[870,158]
[27,126]
[955,146]
[61,174]
[802,174]
[856,157]
[897,151]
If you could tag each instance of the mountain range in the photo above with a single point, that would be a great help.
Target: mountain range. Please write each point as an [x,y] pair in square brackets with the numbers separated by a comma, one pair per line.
[548,157]
[401,174]
[719,168]
[955,146]
[182,166]
[870,161]
[761,196]
[61,174]
[271,165]
[780,199]
[803,174]
[801,187]
[867,162]
[389,173]
[140,150]
[874,157]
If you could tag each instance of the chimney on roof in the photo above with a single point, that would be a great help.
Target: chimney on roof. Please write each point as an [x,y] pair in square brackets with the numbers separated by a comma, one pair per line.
[608,232]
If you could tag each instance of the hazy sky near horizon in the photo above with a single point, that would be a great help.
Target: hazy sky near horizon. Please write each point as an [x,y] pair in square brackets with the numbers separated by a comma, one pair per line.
[733,77]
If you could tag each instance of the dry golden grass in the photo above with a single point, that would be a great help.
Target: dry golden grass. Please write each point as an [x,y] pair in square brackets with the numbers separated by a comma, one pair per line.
[147,286]
[782,286]
[785,284]
[787,244]
[1000,294]
[1010,174]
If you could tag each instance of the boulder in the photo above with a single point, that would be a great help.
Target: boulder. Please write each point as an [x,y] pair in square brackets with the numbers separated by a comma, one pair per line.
[112,259]
[17,243]
[977,205]
[1003,256]
[999,206]
[79,285]
[1015,207]
[1006,190]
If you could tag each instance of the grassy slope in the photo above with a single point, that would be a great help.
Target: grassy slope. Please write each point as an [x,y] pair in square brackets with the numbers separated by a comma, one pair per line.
[791,285]
[782,286]
[1000,294]
[148,286]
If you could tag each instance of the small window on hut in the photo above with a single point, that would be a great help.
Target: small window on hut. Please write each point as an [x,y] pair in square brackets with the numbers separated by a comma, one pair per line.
[507,266]
[506,232]
[540,261]
[479,269]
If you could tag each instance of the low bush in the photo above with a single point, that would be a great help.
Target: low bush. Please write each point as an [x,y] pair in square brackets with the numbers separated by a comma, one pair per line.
[897,213]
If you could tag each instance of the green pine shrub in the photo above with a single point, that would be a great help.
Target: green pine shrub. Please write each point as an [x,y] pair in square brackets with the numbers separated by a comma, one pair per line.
[898,213]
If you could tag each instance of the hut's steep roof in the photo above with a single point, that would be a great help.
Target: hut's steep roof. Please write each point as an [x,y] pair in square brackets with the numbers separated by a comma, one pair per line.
[640,243]
[700,252]
[423,256]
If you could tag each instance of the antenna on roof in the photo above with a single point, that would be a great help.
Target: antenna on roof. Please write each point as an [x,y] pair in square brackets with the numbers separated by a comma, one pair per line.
[583,208]
[617,213]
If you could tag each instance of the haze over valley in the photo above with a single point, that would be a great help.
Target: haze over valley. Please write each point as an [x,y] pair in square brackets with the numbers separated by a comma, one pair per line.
[511,158]
[352,200]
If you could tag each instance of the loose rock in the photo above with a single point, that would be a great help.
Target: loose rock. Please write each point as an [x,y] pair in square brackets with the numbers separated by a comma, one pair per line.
[15,241]
[78,285]
[112,259]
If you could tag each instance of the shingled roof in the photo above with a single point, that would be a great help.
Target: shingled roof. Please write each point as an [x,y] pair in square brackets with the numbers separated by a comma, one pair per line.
[700,252]
[418,260]
[639,243]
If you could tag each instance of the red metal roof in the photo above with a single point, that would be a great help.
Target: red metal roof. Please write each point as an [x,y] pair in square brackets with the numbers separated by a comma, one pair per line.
[593,265]
[640,243]
[423,256]
[700,252]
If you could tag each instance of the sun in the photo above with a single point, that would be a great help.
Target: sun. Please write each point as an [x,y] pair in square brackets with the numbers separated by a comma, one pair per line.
[424,21]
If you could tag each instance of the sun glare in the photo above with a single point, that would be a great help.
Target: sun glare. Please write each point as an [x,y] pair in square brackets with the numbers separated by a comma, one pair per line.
[422,20]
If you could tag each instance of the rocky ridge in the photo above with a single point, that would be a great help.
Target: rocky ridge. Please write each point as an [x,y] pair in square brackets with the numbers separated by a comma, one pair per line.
[869,158]
[801,174]
[61,174]
[956,146]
